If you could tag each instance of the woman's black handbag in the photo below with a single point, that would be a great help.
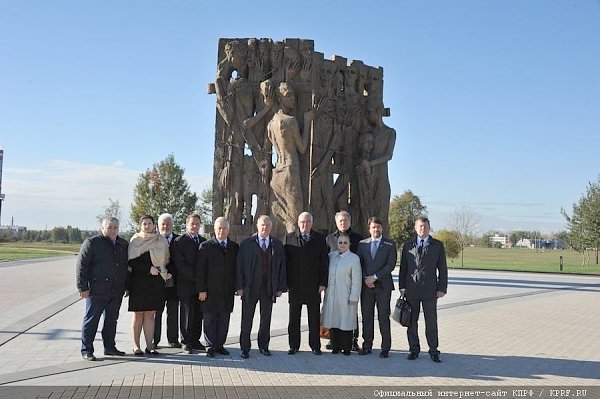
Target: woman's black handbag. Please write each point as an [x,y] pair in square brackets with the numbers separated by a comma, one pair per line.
[402,312]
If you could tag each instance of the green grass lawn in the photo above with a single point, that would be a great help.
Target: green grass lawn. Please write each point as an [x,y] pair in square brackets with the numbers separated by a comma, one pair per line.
[521,259]
[524,259]
[32,250]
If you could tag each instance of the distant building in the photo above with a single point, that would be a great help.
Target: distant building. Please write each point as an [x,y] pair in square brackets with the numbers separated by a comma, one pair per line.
[503,240]
[540,243]
[13,230]
[524,243]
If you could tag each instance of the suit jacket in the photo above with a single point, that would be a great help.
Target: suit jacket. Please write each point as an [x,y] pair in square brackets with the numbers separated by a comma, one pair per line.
[422,276]
[215,275]
[307,266]
[384,263]
[249,267]
[183,255]
[354,240]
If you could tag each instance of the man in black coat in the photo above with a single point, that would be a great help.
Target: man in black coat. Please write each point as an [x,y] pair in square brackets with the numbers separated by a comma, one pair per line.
[423,279]
[260,276]
[101,280]
[343,221]
[185,253]
[215,284]
[165,227]
[307,265]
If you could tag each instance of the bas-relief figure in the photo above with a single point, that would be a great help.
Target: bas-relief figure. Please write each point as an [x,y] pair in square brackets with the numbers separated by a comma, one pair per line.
[297,132]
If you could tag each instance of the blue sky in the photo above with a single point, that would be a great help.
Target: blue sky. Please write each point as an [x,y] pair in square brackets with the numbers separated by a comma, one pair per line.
[495,103]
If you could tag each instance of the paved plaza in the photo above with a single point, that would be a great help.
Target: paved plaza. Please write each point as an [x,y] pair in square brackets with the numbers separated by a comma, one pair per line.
[499,332]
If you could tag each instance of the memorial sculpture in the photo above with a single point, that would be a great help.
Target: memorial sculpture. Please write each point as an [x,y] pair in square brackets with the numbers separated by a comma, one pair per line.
[297,132]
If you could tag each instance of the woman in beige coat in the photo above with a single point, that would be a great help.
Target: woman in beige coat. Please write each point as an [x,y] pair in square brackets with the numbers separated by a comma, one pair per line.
[341,297]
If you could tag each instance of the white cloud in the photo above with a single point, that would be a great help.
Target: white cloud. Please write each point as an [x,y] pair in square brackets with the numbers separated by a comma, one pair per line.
[65,193]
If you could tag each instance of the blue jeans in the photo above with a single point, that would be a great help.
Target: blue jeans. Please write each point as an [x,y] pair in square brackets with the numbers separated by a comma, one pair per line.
[95,306]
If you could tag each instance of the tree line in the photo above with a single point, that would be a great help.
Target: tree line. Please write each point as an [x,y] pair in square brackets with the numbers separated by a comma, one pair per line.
[163,188]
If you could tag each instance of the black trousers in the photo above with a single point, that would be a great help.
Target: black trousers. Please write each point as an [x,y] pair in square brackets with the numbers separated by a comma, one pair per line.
[341,340]
[314,339]
[369,298]
[264,330]
[190,321]
[216,327]
[431,328]
[172,306]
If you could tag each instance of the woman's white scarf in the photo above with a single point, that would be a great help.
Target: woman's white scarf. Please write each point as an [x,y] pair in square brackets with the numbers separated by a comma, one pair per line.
[156,244]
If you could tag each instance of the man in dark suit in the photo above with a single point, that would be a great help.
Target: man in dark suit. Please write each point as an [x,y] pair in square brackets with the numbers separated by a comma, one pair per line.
[343,221]
[378,259]
[185,253]
[423,279]
[307,266]
[165,227]
[216,285]
[101,280]
[260,276]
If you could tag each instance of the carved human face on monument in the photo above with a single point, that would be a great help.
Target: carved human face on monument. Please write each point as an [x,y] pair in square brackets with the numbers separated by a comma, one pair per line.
[374,108]
[236,52]
[351,78]
[328,74]
[287,96]
[264,53]
[277,54]
[366,143]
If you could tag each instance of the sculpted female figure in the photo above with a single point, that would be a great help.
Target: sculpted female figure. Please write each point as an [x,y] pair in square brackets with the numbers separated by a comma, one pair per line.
[284,132]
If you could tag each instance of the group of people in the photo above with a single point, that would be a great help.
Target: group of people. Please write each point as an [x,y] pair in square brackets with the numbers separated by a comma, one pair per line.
[196,280]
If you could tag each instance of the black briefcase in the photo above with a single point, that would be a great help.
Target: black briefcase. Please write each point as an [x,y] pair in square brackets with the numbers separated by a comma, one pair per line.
[402,312]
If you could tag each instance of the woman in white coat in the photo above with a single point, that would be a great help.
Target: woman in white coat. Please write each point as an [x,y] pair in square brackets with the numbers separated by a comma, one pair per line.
[341,296]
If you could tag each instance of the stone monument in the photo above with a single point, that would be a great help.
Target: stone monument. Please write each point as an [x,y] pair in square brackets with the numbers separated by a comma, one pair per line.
[294,132]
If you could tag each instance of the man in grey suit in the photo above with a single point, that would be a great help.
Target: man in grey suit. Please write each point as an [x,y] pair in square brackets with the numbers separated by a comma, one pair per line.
[423,279]
[378,259]
[260,276]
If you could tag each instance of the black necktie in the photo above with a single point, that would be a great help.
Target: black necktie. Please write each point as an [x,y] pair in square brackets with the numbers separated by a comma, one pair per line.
[420,249]
[196,240]
[223,244]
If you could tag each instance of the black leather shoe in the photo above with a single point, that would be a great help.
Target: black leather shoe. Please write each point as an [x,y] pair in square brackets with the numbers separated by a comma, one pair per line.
[347,353]
[435,357]
[138,352]
[114,352]
[89,357]
[200,347]
[188,349]
[174,344]
[355,347]
[210,352]
[222,351]
[364,352]
[151,352]
[245,355]
[317,351]
[412,355]
[292,351]
[265,352]
[335,351]
[328,346]
[384,354]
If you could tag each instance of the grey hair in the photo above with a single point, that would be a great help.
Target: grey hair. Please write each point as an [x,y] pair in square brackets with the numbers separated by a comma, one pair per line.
[167,216]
